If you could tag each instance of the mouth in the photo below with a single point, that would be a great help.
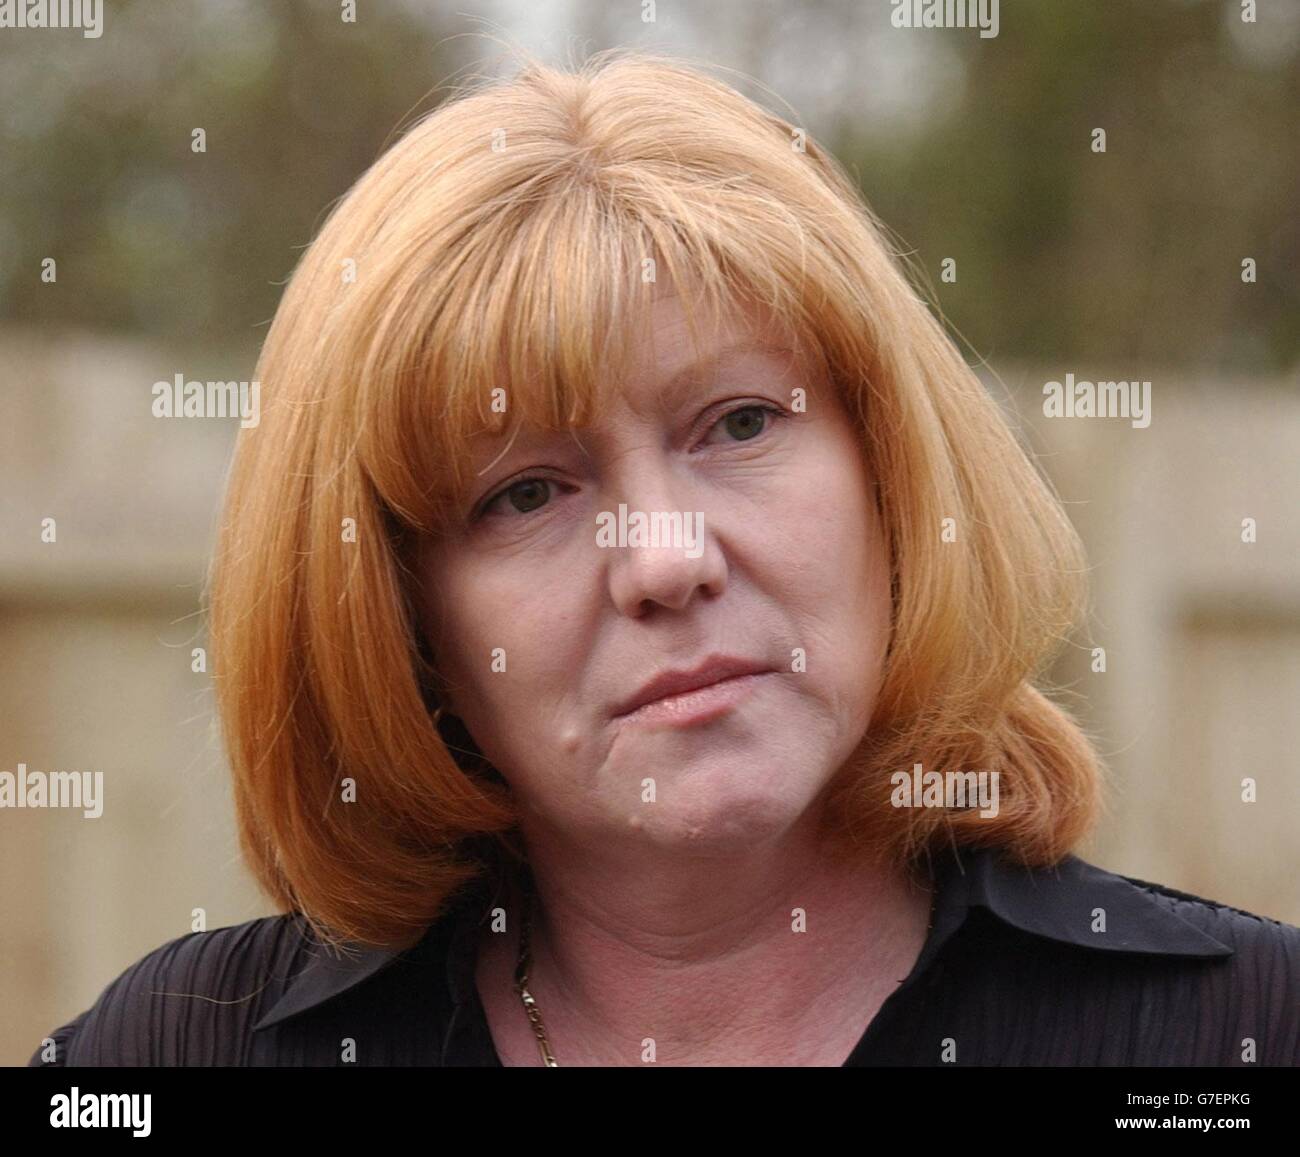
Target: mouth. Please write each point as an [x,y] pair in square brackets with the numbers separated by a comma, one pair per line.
[694,696]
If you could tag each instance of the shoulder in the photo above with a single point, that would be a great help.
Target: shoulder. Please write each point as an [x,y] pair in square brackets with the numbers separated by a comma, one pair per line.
[191,1001]
[1240,1006]
[1265,959]
[1134,972]
[1251,996]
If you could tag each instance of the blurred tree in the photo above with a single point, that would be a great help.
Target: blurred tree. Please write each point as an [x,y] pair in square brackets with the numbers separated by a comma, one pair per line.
[1129,256]
[98,170]
[1132,256]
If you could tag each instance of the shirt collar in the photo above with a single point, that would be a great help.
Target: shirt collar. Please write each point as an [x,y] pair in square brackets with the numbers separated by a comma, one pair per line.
[328,974]
[1075,902]
[1065,903]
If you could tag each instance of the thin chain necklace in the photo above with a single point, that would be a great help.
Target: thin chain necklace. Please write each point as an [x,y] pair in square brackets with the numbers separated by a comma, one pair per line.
[521,983]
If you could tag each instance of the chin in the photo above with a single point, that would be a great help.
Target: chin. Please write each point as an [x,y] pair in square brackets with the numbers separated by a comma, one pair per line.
[724,813]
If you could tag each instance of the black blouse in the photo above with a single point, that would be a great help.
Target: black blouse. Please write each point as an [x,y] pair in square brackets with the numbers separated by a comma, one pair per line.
[1016,970]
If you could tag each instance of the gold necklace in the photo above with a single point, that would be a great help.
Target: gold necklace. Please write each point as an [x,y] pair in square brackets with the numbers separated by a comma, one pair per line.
[521,983]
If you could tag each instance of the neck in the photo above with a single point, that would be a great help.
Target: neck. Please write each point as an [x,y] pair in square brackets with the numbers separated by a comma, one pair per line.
[774,956]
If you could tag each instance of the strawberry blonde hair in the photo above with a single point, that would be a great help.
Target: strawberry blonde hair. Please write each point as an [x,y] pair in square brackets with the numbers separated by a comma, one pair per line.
[504,241]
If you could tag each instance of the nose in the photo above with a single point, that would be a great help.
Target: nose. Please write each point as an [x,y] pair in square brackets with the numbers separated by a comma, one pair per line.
[677,556]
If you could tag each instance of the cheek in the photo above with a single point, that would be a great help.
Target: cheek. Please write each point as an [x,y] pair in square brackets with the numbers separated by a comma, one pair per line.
[844,583]
[832,527]
[462,641]
[500,645]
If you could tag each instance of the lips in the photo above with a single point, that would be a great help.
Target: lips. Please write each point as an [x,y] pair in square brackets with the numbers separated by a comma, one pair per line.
[712,670]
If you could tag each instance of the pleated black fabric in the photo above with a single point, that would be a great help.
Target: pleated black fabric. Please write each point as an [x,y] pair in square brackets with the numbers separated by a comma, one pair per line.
[1063,967]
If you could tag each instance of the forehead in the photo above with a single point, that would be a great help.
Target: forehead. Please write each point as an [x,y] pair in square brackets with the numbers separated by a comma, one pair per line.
[664,366]
[666,359]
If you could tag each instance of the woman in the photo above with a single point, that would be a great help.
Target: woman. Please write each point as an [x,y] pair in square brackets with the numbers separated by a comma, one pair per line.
[623,579]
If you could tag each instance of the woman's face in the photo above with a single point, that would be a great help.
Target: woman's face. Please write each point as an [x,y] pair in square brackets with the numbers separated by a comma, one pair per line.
[548,626]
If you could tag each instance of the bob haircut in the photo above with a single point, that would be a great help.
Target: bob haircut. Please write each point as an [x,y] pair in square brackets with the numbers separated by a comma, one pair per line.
[511,238]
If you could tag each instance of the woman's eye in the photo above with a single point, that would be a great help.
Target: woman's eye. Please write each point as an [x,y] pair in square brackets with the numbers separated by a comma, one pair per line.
[747,422]
[529,494]
[524,496]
